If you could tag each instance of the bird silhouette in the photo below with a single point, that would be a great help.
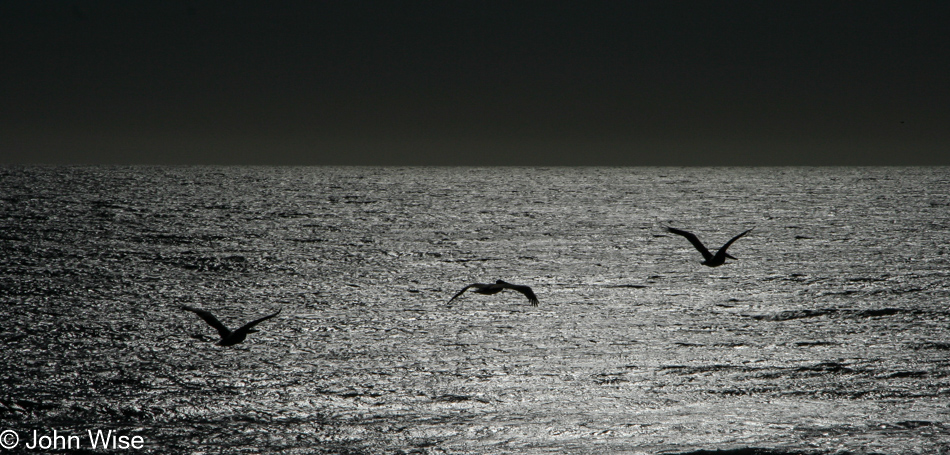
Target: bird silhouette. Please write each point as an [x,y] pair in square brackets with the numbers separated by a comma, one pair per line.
[228,338]
[496,287]
[711,260]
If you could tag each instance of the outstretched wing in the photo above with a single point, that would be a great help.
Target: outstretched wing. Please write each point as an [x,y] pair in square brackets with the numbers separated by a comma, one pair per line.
[247,327]
[461,292]
[210,319]
[724,247]
[524,290]
[695,241]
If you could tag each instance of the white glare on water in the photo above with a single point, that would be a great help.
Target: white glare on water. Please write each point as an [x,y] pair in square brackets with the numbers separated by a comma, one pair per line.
[829,333]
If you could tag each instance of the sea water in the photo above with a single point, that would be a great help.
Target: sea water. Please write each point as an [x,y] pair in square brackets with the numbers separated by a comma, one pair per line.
[829,333]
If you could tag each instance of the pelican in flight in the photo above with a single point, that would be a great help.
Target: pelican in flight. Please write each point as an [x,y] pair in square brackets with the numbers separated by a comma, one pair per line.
[496,287]
[711,260]
[228,338]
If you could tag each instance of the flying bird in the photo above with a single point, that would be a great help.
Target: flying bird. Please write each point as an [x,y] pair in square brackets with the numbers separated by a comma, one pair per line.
[228,338]
[711,260]
[496,287]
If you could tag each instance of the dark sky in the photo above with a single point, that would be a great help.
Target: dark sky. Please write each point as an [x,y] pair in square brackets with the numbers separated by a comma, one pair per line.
[476,82]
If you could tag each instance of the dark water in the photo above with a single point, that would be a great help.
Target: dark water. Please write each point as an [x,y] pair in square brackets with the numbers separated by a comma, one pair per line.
[830,334]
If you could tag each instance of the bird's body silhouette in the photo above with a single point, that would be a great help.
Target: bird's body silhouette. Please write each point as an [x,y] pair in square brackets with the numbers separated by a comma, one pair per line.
[710,260]
[496,287]
[228,338]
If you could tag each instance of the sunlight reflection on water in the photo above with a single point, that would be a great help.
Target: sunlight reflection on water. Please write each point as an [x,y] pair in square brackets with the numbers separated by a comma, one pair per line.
[829,333]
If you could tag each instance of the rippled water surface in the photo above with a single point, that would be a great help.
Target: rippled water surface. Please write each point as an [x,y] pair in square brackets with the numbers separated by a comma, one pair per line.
[830,334]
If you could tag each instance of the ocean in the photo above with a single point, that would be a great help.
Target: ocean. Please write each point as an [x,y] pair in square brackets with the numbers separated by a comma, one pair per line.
[829,334]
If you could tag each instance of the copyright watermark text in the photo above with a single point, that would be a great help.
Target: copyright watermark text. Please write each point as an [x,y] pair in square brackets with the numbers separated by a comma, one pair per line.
[98,439]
